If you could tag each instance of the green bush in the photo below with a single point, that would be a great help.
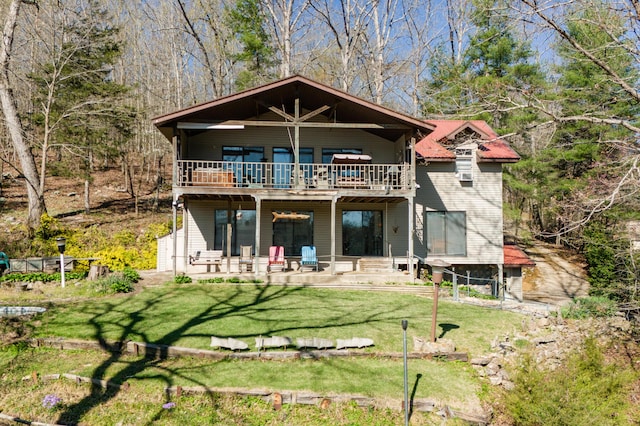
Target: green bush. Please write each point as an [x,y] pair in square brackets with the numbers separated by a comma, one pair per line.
[215,280]
[44,277]
[182,279]
[586,307]
[583,391]
[131,274]
[114,283]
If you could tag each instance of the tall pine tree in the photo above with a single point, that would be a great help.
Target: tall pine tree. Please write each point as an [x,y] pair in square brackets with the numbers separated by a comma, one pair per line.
[82,110]
[247,20]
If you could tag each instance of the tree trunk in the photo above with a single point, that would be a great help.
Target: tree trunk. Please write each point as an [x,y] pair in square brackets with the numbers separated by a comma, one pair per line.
[87,203]
[36,198]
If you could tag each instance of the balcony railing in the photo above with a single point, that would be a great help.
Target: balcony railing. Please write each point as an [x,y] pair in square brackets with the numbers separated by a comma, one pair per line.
[224,174]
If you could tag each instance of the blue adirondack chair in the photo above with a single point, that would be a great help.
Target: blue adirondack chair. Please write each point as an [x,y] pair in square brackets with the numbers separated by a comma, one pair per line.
[309,257]
[4,262]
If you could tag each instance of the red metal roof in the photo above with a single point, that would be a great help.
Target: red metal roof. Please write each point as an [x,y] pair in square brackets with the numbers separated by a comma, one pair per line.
[515,256]
[493,150]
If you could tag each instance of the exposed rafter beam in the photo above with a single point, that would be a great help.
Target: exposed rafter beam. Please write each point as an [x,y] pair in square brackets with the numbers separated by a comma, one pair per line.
[260,123]
[312,114]
[281,113]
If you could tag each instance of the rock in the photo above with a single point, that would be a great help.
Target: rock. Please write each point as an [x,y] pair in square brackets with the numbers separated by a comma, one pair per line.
[482,361]
[314,342]
[423,345]
[228,343]
[273,342]
[355,342]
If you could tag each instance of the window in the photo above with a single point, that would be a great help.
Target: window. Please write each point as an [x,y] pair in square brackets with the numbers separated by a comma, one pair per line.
[245,173]
[464,170]
[327,153]
[447,233]
[362,233]
[243,230]
[292,234]
[284,159]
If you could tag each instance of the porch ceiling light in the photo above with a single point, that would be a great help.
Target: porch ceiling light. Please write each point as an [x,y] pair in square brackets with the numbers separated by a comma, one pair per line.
[208,126]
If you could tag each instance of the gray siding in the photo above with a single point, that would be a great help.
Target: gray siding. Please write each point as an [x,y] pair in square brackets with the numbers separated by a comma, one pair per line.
[481,199]
[208,145]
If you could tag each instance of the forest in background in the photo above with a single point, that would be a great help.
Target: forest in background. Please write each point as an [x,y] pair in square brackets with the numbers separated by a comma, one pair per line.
[80,81]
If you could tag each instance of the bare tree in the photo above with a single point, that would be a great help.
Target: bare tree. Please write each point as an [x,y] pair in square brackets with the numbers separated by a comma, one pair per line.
[286,17]
[37,205]
[422,36]
[386,16]
[347,21]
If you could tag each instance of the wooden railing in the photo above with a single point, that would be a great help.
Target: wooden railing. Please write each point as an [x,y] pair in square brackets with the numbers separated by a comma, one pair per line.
[224,174]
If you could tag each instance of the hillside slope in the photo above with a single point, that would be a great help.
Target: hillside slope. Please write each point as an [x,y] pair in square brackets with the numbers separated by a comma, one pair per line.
[558,277]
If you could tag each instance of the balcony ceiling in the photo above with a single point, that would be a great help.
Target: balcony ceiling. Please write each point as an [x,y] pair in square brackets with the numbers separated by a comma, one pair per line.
[335,106]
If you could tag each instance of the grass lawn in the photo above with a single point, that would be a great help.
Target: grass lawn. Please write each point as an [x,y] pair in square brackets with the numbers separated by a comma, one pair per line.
[189,314]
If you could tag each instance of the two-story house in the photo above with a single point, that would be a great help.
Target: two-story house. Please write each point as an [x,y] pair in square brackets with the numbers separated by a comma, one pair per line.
[296,163]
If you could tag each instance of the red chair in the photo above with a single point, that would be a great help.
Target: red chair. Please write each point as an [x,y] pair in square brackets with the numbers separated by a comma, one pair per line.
[276,257]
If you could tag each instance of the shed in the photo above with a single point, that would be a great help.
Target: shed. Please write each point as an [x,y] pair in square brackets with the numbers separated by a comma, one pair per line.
[514,260]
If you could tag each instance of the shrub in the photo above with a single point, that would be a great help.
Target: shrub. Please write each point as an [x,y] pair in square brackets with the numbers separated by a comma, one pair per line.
[114,283]
[44,277]
[585,307]
[583,391]
[131,274]
[215,280]
[182,279]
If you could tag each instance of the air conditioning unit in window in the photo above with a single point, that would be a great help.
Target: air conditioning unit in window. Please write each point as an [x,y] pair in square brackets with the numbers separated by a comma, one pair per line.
[465,176]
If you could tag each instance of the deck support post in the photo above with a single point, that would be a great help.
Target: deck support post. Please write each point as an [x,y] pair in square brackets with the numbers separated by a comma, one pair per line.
[333,235]
[256,258]
[185,227]
[229,230]
[174,230]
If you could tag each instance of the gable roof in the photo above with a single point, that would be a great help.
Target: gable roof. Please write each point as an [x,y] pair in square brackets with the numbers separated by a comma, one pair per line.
[494,149]
[336,106]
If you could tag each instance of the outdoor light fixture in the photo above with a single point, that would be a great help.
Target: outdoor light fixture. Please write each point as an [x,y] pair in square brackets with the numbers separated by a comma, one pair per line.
[62,243]
[437,268]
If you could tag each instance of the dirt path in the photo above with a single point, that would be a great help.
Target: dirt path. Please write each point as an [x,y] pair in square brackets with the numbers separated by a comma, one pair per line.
[558,276]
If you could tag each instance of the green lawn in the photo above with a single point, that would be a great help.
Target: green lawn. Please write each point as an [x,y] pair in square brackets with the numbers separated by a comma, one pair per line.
[189,314]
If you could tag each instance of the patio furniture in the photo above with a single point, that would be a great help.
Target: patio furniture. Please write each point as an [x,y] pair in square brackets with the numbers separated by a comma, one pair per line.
[351,170]
[246,258]
[309,257]
[276,257]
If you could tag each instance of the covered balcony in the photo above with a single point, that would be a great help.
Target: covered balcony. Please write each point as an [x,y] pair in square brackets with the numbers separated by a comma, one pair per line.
[350,174]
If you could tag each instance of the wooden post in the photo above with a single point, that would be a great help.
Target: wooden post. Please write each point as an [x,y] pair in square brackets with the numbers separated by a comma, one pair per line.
[333,235]
[256,259]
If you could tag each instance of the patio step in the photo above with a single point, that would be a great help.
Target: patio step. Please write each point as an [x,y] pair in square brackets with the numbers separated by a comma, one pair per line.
[375,264]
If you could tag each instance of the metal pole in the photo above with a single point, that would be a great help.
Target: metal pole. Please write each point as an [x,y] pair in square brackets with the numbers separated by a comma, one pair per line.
[434,311]
[62,269]
[406,383]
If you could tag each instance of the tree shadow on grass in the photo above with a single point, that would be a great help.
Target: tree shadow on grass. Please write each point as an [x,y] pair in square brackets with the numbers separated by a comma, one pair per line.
[447,327]
[262,301]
